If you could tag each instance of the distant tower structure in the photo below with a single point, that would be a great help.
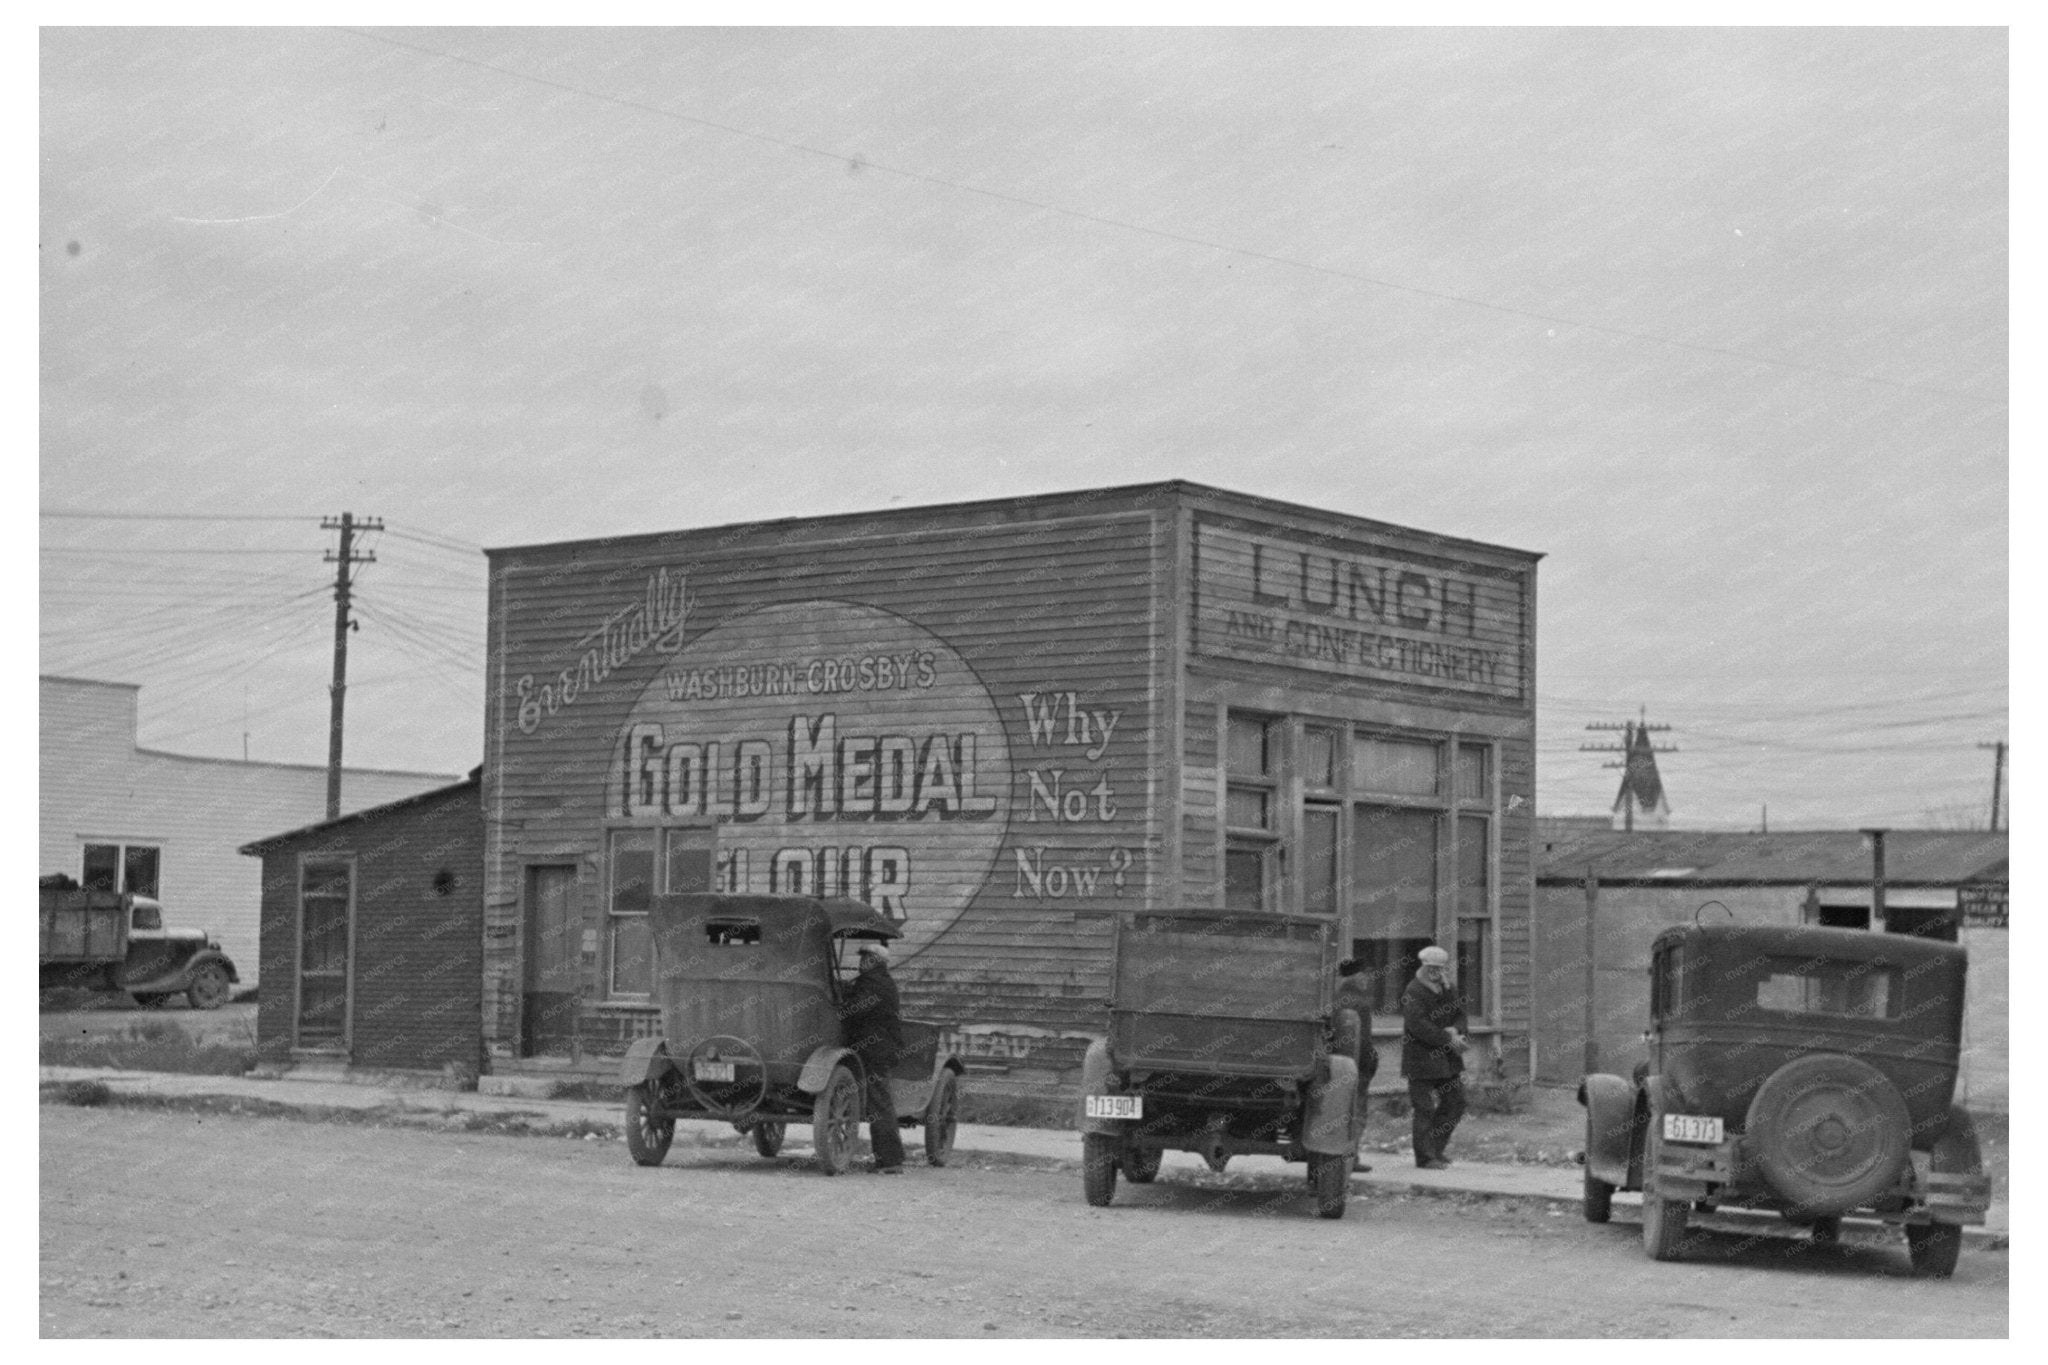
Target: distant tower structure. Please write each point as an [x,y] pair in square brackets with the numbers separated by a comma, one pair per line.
[1641,799]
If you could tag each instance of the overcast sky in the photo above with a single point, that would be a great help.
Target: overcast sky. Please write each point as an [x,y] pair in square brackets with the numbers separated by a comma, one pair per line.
[1716,319]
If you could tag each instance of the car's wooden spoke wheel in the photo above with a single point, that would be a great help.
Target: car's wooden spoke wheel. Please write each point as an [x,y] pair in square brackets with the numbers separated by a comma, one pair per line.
[835,1121]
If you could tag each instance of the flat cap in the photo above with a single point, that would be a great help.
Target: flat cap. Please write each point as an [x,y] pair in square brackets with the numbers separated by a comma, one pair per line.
[1433,956]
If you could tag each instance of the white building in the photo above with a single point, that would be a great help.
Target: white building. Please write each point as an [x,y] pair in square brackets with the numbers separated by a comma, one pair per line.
[118,815]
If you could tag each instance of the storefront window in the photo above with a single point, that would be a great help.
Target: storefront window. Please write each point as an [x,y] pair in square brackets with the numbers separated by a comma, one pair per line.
[1319,859]
[1471,965]
[1250,804]
[1475,778]
[632,884]
[1394,767]
[1393,895]
[1475,862]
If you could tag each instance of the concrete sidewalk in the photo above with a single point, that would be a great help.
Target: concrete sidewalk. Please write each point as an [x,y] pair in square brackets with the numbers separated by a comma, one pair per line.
[1548,1184]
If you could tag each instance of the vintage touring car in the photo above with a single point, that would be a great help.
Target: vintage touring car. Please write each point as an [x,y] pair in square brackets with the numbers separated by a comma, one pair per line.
[1804,1070]
[749,989]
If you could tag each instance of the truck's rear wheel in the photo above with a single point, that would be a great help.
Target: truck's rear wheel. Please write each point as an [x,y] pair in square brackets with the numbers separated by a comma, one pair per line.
[209,988]
[1935,1248]
[1098,1168]
[647,1135]
[768,1138]
[1141,1164]
[1331,1177]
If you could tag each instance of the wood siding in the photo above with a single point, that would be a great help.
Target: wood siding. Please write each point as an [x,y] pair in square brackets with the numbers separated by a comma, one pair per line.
[97,786]
[964,700]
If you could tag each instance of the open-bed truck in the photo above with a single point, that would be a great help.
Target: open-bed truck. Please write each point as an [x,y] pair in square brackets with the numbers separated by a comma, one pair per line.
[1221,1043]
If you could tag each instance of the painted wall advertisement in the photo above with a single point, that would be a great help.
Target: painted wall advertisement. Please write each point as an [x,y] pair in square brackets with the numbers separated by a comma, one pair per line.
[841,749]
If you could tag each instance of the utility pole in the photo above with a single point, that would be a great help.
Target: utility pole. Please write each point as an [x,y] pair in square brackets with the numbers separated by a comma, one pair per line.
[341,559]
[1633,733]
[1997,779]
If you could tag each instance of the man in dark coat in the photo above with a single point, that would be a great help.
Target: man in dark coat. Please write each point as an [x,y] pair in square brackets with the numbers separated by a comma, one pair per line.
[872,1012]
[1432,1056]
[1354,993]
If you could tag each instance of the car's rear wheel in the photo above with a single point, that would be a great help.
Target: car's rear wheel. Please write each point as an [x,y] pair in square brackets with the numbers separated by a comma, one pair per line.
[209,987]
[942,1119]
[1827,1230]
[1331,1176]
[1935,1248]
[768,1138]
[1141,1164]
[1828,1132]
[1598,1203]
[1098,1168]
[647,1134]
[835,1121]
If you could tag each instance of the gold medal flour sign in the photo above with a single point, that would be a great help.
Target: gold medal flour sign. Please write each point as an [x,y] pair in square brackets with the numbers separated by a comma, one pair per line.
[1335,609]
[841,750]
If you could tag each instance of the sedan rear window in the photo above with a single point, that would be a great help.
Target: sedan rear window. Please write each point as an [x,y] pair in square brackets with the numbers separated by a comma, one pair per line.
[1855,990]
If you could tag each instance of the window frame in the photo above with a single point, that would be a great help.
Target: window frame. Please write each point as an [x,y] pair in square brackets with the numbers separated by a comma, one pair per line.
[122,848]
[1264,842]
[659,865]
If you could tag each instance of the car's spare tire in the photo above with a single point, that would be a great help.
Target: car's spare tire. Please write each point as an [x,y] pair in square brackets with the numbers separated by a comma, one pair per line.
[1828,1133]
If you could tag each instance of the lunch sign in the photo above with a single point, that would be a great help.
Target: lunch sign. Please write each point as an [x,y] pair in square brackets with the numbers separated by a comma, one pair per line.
[1274,598]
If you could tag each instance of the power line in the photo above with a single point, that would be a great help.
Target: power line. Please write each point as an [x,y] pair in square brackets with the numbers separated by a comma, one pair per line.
[1627,334]
[69,514]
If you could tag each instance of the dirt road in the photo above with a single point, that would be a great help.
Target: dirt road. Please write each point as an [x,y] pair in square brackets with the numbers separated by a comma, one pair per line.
[160,1223]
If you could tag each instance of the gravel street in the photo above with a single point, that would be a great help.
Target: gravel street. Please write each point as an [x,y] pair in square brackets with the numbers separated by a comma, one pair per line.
[166,1223]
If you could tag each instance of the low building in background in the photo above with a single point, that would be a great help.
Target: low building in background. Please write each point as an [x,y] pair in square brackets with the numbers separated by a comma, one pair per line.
[373,937]
[1602,897]
[119,817]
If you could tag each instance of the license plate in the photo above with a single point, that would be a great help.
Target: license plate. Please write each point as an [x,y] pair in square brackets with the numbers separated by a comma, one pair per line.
[1692,1128]
[711,1071]
[1116,1106]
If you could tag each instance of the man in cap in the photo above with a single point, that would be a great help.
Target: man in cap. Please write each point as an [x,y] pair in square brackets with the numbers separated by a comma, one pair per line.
[872,1012]
[1432,1056]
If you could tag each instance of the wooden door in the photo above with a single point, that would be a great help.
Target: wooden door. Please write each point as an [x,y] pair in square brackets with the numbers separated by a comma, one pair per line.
[326,902]
[553,960]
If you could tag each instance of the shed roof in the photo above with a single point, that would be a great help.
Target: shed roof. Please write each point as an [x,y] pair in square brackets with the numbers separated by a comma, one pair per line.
[472,783]
[1912,857]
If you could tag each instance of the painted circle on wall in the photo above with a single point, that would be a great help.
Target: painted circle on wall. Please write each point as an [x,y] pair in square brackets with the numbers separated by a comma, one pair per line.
[841,750]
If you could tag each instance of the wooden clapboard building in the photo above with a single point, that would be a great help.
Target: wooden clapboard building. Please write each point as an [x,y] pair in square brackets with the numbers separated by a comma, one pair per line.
[1001,723]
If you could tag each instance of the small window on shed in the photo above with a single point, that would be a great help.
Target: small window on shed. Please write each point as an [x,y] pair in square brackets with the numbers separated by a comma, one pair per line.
[732,933]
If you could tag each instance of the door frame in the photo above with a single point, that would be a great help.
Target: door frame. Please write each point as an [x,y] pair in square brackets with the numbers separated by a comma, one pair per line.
[346,1043]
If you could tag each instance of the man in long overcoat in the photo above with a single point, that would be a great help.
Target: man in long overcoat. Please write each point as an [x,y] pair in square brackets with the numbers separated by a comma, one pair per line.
[1433,1056]
[872,1012]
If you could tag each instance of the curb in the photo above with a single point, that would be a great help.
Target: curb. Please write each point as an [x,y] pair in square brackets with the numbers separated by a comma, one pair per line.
[709,1134]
